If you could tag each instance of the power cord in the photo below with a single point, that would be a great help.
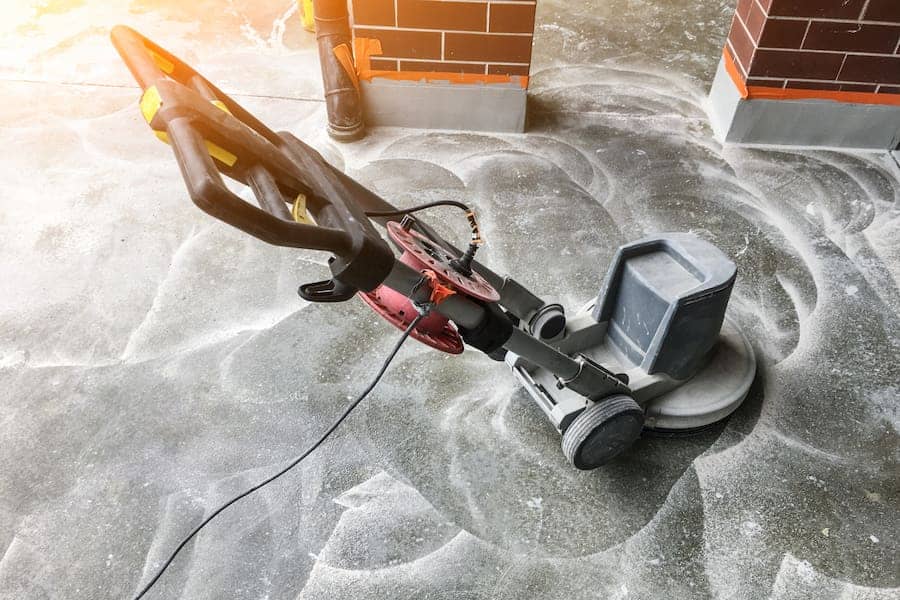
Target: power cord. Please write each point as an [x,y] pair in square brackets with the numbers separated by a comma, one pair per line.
[406,211]
[294,462]
[462,264]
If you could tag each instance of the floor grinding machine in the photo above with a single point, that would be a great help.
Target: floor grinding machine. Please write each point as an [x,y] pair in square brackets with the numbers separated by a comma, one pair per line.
[654,350]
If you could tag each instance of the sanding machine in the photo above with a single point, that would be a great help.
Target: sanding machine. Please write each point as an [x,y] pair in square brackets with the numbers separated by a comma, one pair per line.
[653,350]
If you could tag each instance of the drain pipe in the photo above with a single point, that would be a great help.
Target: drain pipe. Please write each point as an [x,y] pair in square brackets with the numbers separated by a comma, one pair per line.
[342,100]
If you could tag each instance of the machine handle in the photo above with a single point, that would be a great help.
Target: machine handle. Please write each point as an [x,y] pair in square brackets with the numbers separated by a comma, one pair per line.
[210,194]
[146,61]
[150,63]
[212,135]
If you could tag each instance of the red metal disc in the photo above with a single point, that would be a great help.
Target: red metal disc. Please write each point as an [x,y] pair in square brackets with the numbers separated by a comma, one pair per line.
[421,253]
[434,330]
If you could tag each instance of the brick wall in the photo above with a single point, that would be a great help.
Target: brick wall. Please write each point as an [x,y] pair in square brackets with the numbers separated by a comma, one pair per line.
[487,37]
[833,45]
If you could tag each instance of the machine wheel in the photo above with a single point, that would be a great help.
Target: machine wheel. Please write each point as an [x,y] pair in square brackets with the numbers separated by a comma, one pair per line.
[602,431]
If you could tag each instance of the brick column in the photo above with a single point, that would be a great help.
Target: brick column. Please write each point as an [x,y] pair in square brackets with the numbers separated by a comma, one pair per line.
[830,59]
[445,63]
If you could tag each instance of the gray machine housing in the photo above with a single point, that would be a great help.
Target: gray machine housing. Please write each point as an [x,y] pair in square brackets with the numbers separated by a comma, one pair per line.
[659,329]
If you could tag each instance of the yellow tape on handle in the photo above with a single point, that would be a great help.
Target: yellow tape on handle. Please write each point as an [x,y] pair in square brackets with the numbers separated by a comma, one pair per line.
[150,104]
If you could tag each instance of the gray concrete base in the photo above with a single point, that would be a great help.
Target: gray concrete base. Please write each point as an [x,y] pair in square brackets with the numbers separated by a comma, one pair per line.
[444,105]
[799,122]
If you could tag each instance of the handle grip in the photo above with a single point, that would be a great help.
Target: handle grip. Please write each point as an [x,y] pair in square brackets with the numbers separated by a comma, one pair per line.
[212,135]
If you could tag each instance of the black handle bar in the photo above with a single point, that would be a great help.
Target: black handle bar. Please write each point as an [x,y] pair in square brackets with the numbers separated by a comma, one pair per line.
[212,135]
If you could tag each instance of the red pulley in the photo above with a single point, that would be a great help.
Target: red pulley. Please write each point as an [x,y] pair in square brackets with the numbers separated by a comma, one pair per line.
[426,255]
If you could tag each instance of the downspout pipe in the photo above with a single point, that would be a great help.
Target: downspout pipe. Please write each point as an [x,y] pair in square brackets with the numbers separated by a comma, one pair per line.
[342,101]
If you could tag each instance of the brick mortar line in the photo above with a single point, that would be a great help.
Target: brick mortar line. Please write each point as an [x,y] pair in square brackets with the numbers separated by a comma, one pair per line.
[747,31]
[841,69]
[806,33]
[807,80]
[828,20]
[396,61]
[865,7]
[736,58]
[762,8]
[461,62]
[814,51]
[754,42]
[420,30]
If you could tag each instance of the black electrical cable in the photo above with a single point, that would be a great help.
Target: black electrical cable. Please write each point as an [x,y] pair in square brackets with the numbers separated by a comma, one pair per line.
[294,462]
[406,211]
[462,264]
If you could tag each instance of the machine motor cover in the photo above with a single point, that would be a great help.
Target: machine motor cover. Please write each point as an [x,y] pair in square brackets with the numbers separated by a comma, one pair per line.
[664,300]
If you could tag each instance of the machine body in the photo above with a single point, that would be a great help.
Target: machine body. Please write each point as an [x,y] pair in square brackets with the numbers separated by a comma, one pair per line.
[651,349]
[659,322]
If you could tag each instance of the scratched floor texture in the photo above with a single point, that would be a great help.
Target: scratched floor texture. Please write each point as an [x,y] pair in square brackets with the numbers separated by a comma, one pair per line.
[153,362]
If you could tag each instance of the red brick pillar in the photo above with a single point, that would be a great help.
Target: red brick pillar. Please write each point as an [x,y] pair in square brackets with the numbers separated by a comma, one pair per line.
[830,58]
[443,63]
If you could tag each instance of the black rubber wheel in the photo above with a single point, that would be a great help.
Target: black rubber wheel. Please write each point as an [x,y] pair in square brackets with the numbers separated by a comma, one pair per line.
[602,431]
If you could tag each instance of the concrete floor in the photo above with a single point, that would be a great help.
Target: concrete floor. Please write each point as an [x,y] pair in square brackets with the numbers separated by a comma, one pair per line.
[153,361]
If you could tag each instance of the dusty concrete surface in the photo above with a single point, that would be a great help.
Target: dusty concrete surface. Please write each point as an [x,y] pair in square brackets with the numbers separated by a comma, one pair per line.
[153,362]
